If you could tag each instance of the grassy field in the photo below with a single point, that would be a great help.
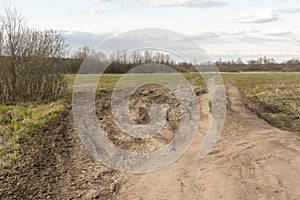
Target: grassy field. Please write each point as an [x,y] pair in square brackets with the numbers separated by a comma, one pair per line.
[273,96]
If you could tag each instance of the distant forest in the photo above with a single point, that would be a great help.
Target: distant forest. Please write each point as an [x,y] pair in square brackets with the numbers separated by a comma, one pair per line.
[121,61]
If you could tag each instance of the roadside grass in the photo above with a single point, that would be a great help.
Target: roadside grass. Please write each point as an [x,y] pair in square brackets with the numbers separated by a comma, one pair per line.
[275,97]
[18,123]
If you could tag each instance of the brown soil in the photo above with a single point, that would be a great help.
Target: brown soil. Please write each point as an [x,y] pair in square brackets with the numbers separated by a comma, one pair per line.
[55,165]
[252,160]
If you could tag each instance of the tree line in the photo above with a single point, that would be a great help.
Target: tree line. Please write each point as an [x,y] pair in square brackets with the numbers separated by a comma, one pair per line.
[121,61]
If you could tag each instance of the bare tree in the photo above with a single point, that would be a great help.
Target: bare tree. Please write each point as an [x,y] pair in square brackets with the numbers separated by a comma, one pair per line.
[294,37]
[29,61]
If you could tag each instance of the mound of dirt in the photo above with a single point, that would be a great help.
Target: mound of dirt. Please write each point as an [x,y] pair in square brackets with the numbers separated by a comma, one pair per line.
[139,107]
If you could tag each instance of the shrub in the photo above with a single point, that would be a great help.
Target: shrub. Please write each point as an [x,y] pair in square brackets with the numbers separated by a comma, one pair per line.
[29,61]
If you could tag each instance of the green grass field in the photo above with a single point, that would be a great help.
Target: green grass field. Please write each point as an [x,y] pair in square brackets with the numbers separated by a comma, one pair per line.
[273,96]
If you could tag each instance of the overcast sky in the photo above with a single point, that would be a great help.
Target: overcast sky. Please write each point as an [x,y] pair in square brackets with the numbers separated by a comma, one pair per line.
[225,29]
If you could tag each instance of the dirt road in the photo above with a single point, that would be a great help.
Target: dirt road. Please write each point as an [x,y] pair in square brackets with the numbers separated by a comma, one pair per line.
[252,160]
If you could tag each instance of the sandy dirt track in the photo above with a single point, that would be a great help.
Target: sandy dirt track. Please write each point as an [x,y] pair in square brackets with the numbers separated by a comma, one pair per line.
[252,160]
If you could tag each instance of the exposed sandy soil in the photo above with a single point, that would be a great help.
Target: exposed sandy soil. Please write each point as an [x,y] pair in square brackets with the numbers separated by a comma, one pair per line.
[252,160]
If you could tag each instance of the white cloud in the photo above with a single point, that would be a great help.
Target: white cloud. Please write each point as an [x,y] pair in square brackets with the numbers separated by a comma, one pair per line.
[278,33]
[204,36]
[291,9]
[100,0]
[265,16]
[98,11]
[226,45]
[255,17]
[255,37]
[186,3]
[78,38]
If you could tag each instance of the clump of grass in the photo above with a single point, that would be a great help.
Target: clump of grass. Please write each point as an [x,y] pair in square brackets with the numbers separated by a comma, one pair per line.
[196,78]
[278,104]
